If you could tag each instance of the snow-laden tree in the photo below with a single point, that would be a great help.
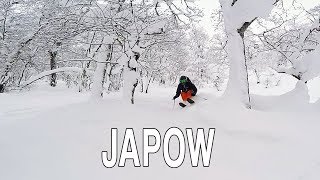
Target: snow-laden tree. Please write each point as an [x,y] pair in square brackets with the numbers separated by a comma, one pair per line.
[17,22]
[294,44]
[206,63]
[165,61]
[60,22]
[238,15]
[137,26]
[304,60]
[198,43]
[33,33]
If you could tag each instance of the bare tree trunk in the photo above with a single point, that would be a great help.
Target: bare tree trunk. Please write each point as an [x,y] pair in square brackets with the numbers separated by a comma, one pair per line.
[97,86]
[131,78]
[53,65]
[109,83]
[1,88]
[257,76]
[141,81]
[132,93]
[100,74]
[147,88]
[4,79]
[23,71]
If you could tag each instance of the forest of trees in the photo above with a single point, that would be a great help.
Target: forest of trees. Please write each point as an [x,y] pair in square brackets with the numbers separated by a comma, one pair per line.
[108,45]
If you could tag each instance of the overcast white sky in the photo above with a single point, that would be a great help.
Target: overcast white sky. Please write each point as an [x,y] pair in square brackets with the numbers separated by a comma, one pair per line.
[208,5]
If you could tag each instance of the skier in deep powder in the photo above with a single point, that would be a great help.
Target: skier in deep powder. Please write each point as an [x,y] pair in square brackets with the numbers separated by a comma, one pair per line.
[186,89]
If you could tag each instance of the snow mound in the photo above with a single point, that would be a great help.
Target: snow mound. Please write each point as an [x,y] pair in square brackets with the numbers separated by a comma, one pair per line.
[295,100]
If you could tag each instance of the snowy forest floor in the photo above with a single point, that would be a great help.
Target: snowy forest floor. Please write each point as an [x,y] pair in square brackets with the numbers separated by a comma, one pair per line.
[56,133]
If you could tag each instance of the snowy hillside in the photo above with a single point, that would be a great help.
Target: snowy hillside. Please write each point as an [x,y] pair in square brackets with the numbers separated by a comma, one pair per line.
[159,89]
[59,134]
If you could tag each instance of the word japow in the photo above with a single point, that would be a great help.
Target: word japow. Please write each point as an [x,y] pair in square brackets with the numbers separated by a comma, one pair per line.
[195,145]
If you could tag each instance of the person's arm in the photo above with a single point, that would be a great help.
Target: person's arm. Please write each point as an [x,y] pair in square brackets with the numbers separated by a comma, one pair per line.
[194,88]
[179,88]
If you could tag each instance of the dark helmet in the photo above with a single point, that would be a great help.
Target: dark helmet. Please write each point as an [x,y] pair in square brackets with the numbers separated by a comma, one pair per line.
[183,79]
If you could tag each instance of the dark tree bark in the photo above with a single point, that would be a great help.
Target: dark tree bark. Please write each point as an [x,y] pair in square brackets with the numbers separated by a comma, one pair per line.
[1,88]
[257,76]
[12,58]
[147,88]
[133,90]
[141,81]
[136,57]
[241,32]
[109,57]
[23,71]
[53,65]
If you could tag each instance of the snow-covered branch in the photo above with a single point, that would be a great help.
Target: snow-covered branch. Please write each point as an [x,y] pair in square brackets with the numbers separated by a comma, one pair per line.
[47,73]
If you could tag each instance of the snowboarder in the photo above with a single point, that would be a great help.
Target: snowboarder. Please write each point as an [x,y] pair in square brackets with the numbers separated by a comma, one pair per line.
[186,89]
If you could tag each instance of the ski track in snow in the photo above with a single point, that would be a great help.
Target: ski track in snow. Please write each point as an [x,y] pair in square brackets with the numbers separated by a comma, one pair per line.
[60,135]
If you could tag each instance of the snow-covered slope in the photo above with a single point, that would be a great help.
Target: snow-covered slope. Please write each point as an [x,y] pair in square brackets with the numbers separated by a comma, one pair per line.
[47,134]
